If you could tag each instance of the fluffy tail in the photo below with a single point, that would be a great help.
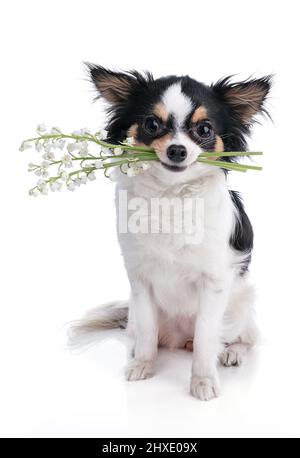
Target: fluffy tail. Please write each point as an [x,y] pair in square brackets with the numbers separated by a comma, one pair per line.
[106,317]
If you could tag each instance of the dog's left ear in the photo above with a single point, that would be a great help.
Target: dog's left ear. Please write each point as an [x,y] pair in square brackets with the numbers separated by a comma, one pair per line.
[245,98]
[116,87]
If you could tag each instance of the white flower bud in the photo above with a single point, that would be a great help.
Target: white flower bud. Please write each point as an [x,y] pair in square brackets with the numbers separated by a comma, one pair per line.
[83,149]
[54,186]
[67,160]
[49,147]
[64,176]
[49,156]
[106,151]
[33,192]
[130,141]
[71,186]
[38,146]
[71,147]
[98,164]
[61,143]
[41,183]
[118,151]
[91,176]
[25,145]
[59,185]
[45,164]
[41,128]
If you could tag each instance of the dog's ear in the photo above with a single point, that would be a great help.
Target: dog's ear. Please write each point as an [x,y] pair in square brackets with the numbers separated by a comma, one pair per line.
[245,98]
[116,87]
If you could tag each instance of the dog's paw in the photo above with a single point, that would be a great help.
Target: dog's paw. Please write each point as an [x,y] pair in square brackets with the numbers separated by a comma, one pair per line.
[234,354]
[138,370]
[205,388]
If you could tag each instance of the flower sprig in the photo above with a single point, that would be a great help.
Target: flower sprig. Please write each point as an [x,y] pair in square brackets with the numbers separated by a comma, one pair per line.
[67,160]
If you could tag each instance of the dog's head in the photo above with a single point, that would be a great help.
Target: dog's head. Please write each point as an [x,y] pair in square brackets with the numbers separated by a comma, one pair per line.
[179,117]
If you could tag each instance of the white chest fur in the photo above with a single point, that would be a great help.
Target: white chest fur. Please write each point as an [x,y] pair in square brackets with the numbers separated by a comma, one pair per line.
[166,260]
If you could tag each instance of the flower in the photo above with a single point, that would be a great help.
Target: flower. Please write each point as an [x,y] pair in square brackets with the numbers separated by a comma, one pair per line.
[101,134]
[83,148]
[60,143]
[71,147]
[130,141]
[33,192]
[91,176]
[64,176]
[98,164]
[38,146]
[44,173]
[45,164]
[41,183]
[67,160]
[118,151]
[59,185]
[41,128]
[31,167]
[42,187]
[105,151]
[54,186]
[49,156]
[71,186]
[25,145]
[48,147]
[83,179]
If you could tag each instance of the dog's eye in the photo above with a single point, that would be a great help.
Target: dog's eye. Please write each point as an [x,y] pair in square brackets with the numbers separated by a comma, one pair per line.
[152,125]
[204,129]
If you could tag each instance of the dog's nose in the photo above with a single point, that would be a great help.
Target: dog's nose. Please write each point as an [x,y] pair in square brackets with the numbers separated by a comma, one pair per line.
[176,153]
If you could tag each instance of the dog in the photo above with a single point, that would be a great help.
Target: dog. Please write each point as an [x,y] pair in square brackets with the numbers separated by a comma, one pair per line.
[184,295]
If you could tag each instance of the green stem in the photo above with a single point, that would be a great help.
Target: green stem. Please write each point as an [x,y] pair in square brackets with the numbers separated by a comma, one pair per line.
[224,165]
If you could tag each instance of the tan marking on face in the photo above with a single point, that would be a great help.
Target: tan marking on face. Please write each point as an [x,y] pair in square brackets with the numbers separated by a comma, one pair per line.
[199,114]
[219,145]
[161,112]
[160,144]
[219,148]
[132,131]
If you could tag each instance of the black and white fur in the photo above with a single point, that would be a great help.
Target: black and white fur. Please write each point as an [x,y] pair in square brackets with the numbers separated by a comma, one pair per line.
[184,295]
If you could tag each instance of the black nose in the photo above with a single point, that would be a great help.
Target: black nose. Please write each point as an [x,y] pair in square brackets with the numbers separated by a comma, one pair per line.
[176,153]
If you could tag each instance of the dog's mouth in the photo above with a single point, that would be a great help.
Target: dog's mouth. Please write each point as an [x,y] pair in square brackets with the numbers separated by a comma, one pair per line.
[174,168]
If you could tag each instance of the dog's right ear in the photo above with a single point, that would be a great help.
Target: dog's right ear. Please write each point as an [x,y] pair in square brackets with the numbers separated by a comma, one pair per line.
[116,87]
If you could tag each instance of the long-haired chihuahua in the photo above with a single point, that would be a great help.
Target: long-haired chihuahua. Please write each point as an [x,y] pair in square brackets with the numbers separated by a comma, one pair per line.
[185,293]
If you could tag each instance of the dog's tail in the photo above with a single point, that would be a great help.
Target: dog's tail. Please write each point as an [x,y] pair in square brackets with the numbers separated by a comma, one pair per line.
[108,316]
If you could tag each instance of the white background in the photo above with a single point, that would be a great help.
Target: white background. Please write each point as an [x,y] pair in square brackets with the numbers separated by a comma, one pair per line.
[59,254]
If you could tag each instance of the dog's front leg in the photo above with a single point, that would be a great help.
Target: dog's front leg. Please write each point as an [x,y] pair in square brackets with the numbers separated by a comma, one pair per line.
[143,321]
[213,300]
